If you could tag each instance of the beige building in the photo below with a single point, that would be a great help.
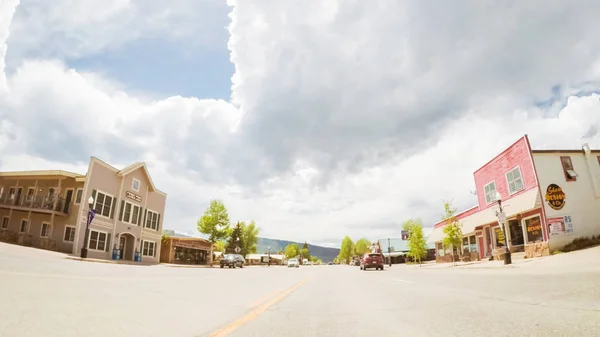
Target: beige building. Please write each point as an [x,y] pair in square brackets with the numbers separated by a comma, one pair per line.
[48,209]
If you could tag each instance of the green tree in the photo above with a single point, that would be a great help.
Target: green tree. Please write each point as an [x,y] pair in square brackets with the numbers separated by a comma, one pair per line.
[250,237]
[417,246]
[452,229]
[305,253]
[346,250]
[292,250]
[313,259]
[362,247]
[220,246]
[214,223]
[236,239]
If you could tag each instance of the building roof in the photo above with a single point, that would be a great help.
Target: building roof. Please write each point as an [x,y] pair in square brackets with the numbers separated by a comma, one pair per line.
[127,170]
[35,173]
[580,151]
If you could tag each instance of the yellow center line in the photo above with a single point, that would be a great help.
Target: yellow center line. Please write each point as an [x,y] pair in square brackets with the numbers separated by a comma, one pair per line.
[265,298]
[226,330]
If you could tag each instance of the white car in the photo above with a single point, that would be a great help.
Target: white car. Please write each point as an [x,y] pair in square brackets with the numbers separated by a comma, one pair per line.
[293,263]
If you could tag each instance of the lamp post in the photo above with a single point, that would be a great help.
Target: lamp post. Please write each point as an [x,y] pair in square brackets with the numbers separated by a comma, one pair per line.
[269,250]
[389,252]
[90,217]
[502,221]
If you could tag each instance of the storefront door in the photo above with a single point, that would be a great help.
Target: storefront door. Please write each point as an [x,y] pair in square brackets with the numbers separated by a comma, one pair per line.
[122,246]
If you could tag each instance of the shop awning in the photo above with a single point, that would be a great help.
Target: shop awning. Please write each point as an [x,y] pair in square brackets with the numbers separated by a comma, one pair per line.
[521,203]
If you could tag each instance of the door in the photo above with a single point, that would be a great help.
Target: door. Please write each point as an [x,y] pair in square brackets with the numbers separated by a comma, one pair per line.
[122,246]
[18,196]
[68,199]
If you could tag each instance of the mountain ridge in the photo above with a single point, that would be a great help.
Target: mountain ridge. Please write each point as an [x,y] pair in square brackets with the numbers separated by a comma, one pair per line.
[326,254]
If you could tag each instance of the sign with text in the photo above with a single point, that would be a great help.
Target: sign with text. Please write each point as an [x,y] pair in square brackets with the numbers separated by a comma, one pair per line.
[405,235]
[190,245]
[133,196]
[534,228]
[555,197]
[560,225]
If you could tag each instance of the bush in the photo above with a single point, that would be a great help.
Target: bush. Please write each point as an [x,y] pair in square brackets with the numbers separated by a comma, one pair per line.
[582,243]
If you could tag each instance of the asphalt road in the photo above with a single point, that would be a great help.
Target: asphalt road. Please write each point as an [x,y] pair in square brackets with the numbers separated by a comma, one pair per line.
[43,294]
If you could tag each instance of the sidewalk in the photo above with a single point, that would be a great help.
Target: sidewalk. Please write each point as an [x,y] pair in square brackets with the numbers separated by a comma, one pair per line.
[77,258]
[483,264]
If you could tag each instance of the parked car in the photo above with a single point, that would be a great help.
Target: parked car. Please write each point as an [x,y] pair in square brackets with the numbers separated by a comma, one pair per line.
[232,261]
[293,263]
[372,260]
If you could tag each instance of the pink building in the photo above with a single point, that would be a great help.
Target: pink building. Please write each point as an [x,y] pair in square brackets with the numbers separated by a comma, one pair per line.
[550,197]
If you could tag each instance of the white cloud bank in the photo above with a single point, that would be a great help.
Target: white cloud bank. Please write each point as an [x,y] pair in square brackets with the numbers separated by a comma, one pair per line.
[344,120]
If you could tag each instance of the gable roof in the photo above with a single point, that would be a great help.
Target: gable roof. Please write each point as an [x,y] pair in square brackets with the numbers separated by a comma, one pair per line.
[133,167]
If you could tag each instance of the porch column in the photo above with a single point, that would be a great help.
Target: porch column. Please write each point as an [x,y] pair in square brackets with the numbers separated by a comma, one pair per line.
[35,192]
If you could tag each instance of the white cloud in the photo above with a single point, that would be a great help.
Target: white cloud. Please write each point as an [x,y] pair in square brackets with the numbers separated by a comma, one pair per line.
[345,120]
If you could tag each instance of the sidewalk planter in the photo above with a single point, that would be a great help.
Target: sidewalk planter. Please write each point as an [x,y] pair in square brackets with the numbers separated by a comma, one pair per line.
[137,257]
[116,254]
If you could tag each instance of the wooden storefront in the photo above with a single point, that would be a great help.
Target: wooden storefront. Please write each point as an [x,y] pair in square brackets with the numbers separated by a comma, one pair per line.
[191,251]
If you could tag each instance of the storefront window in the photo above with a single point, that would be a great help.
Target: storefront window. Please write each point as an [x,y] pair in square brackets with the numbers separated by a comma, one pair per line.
[473,242]
[534,230]
[190,256]
[466,247]
[440,249]
[499,237]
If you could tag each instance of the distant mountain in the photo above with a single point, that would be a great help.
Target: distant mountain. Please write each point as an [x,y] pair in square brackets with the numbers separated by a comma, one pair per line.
[326,254]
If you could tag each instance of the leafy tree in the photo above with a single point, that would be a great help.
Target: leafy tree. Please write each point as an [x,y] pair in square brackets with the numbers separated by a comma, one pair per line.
[313,259]
[362,247]
[417,246]
[292,250]
[452,229]
[220,246]
[236,239]
[305,253]
[214,223]
[347,250]
[250,237]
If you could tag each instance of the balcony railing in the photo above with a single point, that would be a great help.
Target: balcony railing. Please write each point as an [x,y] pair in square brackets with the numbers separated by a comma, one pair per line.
[37,202]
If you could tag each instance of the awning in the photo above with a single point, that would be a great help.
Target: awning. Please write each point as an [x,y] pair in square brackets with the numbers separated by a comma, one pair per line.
[521,203]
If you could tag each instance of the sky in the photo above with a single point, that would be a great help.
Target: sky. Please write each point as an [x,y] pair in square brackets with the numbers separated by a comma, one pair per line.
[315,120]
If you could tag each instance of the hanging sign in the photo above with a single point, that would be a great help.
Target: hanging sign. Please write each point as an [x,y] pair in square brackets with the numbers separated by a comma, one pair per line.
[555,197]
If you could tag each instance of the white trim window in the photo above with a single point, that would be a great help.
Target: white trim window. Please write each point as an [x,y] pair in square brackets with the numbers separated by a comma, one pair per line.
[135,185]
[104,204]
[490,192]
[5,221]
[514,180]
[24,226]
[69,235]
[46,230]
[78,196]
[149,248]
[131,213]
[97,240]
[152,220]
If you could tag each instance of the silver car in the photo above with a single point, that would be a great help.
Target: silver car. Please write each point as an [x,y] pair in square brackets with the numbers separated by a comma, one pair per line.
[293,263]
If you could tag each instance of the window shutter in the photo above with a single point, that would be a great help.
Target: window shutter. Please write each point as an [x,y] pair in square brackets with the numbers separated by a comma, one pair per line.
[154,252]
[142,248]
[158,224]
[121,211]
[108,242]
[140,217]
[145,215]
[112,209]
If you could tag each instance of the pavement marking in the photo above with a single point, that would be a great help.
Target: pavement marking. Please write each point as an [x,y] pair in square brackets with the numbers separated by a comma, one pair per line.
[403,281]
[226,330]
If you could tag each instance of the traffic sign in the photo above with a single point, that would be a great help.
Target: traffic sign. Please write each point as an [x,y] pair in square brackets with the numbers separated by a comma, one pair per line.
[238,249]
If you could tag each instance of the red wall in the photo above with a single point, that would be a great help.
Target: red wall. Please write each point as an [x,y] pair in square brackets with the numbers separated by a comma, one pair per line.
[517,154]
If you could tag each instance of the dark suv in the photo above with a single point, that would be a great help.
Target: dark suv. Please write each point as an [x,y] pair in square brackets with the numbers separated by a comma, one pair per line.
[232,261]
[372,260]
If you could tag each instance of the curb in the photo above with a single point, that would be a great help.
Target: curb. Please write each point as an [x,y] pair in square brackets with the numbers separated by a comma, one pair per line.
[76,258]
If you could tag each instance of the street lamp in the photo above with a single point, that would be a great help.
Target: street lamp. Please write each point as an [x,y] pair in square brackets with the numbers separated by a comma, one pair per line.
[269,250]
[502,221]
[90,217]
